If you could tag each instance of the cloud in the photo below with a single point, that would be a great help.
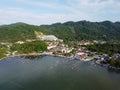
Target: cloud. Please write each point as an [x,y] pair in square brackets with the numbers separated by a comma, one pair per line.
[98,9]
[12,15]
[92,5]
[70,10]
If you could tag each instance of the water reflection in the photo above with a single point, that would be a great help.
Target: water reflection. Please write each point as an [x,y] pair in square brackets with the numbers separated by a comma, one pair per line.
[54,73]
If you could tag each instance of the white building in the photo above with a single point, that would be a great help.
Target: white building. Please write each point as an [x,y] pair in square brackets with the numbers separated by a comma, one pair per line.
[6,44]
[50,47]
[30,40]
[19,42]
[49,38]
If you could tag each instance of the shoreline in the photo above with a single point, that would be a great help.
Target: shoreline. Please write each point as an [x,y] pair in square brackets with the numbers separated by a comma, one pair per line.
[62,56]
[37,54]
[107,66]
[33,54]
[2,58]
[15,56]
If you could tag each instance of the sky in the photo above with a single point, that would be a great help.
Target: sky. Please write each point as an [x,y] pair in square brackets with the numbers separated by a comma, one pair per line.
[39,12]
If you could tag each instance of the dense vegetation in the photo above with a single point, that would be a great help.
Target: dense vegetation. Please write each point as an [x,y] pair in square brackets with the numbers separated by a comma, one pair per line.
[105,48]
[18,31]
[69,31]
[30,47]
[85,30]
[115,63]
[3,50]
[109,49]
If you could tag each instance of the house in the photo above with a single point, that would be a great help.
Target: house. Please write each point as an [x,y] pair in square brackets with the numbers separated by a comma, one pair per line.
[14,53]
[60,40]
[99,41]
[82,55]
[6,44]
[51,46]
[97,57]
[19,42]
[30,40]
[116,56]
[85,43]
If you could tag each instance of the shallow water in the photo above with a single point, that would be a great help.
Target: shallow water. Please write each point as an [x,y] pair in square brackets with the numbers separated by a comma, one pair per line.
[55,73]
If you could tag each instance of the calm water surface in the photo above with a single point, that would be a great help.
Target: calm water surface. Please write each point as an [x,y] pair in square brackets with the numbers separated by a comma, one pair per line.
[55,73]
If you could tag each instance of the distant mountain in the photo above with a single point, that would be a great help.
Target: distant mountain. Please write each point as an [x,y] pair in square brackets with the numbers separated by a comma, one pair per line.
[85,30]
[18,31]
[13,24]
[82,30]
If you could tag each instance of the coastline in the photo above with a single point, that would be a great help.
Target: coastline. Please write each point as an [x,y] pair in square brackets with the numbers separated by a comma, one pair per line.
[111,68]
[2,58]
[33,54]
[62,56]
[7,57]
[54,55]
[17,55]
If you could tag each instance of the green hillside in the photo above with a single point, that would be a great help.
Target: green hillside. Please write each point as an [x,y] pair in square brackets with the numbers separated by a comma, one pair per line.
[82,30]
[18,31]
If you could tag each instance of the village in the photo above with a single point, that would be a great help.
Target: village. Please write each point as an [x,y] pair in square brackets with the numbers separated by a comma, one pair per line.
[56,47]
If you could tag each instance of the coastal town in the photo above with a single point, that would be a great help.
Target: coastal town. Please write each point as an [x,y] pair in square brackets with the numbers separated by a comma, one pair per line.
[57,47]
[60,45]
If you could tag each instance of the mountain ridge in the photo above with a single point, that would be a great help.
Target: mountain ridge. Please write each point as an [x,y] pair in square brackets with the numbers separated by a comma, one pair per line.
[68,31]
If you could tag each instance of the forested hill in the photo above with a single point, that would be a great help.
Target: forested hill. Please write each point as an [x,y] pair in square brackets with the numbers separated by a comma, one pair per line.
[85,30]
[18,31]
[82,30]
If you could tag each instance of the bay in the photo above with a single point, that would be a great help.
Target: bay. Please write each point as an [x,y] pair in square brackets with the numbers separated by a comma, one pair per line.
[55,73]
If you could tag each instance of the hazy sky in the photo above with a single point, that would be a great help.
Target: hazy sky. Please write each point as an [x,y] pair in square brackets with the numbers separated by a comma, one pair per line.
[50,11]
